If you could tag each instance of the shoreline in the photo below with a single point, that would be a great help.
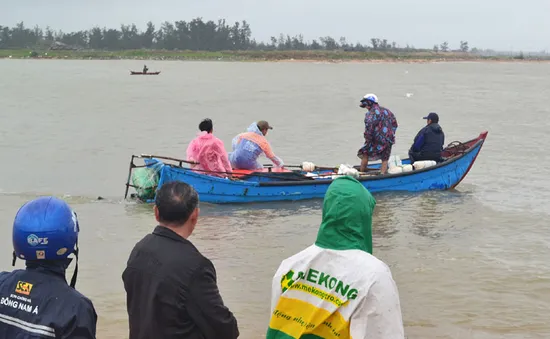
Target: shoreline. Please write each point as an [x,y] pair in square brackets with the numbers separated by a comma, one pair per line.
[308,56]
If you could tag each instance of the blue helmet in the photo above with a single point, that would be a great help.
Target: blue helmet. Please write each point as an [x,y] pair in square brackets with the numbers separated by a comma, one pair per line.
[45,228]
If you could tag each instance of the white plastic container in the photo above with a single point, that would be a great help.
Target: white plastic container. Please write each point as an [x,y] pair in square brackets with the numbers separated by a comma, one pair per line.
[418,165]
[308,166]
[423,164]
[346,169]
[398,161]
[407,168]
[391,162]
[430,163]
[395,170]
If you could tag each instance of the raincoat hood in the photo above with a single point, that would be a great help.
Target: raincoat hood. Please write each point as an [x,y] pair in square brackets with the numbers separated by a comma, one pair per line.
[254,128]
[195,146]
[347,216]
[204,135]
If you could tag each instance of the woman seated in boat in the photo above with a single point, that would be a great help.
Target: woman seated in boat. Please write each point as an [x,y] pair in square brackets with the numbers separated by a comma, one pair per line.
[209,152]
[248,146]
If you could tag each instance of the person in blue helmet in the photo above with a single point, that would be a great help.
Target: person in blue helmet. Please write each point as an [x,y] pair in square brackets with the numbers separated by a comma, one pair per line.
[37,302]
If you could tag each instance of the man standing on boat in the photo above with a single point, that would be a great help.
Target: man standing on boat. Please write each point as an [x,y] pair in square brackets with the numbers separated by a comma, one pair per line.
[145,69]
[209,152]
[37,302]
[428,142]
[336,287]
[380,128]
[170,286]
[248,146]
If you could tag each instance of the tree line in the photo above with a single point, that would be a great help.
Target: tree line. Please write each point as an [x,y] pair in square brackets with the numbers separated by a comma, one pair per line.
[196,35]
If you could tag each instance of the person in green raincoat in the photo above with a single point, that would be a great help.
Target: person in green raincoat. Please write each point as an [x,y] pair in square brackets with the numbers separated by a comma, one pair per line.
[336,288]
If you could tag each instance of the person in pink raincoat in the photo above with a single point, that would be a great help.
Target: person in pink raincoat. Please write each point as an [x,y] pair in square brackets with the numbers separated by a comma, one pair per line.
[209,152]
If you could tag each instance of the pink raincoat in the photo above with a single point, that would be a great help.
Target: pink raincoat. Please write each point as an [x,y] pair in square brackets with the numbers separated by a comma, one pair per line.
[210,153]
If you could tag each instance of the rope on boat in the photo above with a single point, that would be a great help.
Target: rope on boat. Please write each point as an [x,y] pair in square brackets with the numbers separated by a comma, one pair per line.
[455,148]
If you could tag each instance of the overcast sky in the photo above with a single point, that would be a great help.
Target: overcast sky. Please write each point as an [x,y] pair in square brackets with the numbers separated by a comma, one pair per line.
[497,24]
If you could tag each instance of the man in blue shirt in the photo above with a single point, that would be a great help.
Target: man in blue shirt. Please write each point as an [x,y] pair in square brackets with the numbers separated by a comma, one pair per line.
[428,143]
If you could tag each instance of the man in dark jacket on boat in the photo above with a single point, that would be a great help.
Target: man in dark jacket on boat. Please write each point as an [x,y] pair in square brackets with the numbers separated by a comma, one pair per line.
[37,302]
[171,287]
[428,143]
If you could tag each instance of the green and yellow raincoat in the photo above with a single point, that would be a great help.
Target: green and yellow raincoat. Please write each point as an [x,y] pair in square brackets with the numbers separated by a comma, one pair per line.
[336,288]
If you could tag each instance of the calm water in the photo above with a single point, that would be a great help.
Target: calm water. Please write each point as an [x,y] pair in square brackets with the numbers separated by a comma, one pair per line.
[469,263]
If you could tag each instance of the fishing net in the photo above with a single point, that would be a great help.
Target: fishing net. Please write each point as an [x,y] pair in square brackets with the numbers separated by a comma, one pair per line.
[145,179]
[455,148]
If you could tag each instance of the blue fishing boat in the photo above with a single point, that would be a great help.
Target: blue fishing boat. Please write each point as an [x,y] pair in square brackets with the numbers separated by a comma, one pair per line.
[272,184]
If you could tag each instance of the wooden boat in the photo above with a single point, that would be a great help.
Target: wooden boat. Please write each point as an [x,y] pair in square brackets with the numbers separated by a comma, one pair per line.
[141,73]
[272,184]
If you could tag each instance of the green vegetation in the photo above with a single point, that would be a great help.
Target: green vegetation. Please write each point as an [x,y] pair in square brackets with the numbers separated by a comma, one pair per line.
[321,55]
[199,40]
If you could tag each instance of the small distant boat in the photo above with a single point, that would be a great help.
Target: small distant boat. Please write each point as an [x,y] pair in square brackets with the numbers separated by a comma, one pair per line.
[141,73]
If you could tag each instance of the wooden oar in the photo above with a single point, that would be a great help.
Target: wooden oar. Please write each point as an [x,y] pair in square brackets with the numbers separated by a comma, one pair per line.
[322,168]
[301,167]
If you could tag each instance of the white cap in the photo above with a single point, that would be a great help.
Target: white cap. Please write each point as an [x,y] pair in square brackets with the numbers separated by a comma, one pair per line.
[372,97]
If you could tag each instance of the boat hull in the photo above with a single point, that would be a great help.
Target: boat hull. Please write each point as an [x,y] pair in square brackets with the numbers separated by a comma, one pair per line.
[141,73]
[218,190]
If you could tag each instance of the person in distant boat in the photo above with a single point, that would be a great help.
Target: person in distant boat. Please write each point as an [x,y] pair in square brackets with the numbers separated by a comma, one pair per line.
[380,128]
[209,152]
[248,146]
[145,69]
[336,287]
[428,142]
[37,302]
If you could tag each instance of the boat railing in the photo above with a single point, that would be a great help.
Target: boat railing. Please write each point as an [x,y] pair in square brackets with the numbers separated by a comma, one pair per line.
[132,166]
[179,161]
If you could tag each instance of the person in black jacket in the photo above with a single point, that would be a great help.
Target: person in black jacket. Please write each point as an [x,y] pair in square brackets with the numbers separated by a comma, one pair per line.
[428,143]
[37,302]
[170,286]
